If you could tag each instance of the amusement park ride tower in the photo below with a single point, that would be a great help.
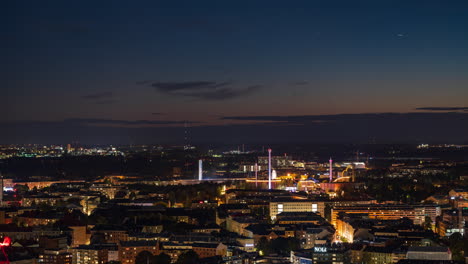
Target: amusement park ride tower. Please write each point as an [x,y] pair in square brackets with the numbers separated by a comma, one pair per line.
[6,243]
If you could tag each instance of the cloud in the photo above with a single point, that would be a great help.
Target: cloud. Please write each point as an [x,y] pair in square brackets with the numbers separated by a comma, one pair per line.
[101,98]
[341,118]
[380,128]
[290,119]
[106,102]
[439,127]
[144,82]
[98,96]
[205,90]
[300,83]
[170,87]
[225,93]
[102,121]
[430,108]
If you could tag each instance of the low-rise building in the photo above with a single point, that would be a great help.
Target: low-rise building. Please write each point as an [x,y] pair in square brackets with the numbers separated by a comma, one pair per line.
[417,213]
[238,223]
[278,206]
[324,254]
[51,256]
[95,254]
[175,249]
[299,218]
[317,237]
[458,193]
[109,234]
[205,250]
[129,250]
[429,253]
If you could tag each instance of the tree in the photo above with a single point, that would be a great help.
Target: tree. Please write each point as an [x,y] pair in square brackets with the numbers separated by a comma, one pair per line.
[188,257]
[21,189]
[457,245]
[328,209]
[107,181]
[171,197]
[44,207]
[263,246]
[145,257]
[120,194]
[427,223]
[162,259]
[455,237]
[282,246]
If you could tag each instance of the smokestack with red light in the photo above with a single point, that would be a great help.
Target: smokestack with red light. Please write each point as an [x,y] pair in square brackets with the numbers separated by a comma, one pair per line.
[269,168]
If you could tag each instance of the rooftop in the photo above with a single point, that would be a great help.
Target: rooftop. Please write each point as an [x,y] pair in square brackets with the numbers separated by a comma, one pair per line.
[428,249]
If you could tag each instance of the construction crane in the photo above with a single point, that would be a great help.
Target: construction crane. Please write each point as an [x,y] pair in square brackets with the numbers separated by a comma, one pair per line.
[351,166]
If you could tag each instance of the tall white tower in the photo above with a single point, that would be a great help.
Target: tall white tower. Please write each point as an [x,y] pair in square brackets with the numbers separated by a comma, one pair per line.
[269,168]
[200,170]
[331,169]
[256,175]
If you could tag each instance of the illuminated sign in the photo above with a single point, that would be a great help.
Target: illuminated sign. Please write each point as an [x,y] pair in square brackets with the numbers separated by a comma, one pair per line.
[320,249]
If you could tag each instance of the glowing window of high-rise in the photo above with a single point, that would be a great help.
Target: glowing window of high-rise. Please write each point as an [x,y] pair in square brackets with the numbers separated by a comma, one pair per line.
[280,208]
[314,208]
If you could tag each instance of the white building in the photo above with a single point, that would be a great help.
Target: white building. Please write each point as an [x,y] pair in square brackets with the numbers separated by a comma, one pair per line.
[429,253]
[287,205]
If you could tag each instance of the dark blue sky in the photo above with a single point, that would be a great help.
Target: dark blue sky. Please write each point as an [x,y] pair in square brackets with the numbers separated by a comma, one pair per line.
[145,61]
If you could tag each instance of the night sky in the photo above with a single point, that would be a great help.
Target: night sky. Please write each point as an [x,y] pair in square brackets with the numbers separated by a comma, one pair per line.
[234,71]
